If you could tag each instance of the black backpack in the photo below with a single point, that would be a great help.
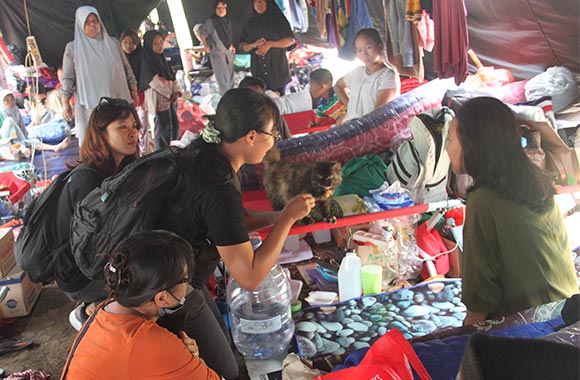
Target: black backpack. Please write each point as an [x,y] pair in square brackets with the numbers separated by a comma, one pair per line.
[37,247]
[130,202]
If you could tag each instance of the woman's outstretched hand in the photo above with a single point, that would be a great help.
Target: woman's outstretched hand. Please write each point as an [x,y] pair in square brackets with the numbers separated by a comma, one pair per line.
[299,207]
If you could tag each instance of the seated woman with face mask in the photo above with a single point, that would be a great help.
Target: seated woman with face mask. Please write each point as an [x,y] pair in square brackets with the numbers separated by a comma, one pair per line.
[147,277]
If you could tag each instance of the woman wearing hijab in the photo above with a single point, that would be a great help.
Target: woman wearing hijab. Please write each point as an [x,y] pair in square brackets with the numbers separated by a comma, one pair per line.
[93,66]
[131,45]
[218,41]
[161,90]
[267,35]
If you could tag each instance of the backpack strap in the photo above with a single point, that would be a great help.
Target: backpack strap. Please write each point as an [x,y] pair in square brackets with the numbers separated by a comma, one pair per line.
[78,339]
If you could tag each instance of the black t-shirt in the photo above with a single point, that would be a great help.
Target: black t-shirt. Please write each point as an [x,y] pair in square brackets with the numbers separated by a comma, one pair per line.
[81,182]
[212,218]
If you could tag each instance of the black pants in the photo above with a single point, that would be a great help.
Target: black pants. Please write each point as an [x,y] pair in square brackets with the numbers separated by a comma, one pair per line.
[202,321]
[166,127]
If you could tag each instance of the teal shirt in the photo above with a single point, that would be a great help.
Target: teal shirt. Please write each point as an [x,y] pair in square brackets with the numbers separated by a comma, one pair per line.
[514,258]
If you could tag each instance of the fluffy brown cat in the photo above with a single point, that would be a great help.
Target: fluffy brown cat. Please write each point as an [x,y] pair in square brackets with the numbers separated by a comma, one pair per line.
[284,180]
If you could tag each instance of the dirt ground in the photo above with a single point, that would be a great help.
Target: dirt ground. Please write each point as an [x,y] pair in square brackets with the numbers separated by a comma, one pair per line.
[48,327]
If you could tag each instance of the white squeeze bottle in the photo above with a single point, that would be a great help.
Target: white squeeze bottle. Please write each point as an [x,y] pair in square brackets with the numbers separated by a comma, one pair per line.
[349,281]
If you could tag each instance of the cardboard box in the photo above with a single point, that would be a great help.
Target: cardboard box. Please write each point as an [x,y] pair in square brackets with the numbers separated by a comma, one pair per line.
[18,294]
[7,259]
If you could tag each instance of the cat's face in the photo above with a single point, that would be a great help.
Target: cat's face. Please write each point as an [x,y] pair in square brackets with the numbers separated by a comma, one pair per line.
[326,175]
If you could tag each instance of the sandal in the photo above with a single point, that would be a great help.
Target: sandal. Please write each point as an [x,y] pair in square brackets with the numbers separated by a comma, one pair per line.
[12,344]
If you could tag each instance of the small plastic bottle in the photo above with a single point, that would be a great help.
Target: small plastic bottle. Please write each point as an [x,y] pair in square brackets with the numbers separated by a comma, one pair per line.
[349,280]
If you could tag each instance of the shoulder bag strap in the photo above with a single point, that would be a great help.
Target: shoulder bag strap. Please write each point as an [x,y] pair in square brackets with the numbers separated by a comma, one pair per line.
[78,339]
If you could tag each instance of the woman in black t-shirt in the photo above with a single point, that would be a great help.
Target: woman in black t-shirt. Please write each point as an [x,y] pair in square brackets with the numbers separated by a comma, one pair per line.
[111,142]
[206,209]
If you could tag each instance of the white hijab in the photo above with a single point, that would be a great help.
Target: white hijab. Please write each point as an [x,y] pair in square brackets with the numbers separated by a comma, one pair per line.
[98,64]
[13,112]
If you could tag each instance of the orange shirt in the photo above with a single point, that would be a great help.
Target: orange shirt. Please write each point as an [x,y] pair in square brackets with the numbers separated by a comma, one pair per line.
[123,347]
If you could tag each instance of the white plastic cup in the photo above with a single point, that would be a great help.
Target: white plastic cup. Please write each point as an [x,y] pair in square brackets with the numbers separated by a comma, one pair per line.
[321,236]
[292,243]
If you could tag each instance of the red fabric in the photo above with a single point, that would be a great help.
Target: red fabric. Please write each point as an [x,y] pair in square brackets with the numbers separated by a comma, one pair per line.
[389,358]
[18,187]
[303,122]
[451,39]
[190,117]
[5,53]
[408,84]
[432,243]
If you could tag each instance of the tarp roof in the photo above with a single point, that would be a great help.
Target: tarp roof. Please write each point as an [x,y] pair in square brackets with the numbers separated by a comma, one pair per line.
[525,36]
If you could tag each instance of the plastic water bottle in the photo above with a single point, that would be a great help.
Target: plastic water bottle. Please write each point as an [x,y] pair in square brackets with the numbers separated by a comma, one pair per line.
[349,280]
[262,325]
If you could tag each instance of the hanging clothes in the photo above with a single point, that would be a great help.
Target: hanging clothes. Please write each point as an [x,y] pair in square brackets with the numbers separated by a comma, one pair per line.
[339,13]
[451,39]
[401,31]
[331,31]
[322,8]
[414,10]
[297,20]
[359,19]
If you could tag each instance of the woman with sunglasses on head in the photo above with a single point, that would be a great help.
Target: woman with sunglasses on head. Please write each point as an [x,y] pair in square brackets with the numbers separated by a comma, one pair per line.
[146,277]
[110,144]
[206,209]
[93,66]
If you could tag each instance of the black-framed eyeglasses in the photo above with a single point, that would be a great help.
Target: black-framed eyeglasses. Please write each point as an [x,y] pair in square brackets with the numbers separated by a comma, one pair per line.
[275,134]
[188,290]
[184,280]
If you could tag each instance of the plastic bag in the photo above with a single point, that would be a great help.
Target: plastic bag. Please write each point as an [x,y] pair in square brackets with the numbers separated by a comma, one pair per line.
[389,358]
[557,82]
[389,197]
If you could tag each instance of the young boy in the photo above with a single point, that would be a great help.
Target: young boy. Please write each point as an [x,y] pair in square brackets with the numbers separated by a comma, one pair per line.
[327,103]
[320,97]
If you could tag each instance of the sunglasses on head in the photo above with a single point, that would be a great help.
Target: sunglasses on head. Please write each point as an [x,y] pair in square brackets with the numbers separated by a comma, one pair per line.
[113,102]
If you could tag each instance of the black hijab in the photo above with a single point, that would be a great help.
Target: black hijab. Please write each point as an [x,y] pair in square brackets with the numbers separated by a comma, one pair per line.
[223,26]
[136,57]
[153,63]
[271,25]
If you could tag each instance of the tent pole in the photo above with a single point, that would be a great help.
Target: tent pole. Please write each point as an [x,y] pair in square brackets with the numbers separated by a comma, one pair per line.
[182,31]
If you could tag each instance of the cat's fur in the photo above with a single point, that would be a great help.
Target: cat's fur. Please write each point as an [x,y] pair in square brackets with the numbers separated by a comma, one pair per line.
[284,180]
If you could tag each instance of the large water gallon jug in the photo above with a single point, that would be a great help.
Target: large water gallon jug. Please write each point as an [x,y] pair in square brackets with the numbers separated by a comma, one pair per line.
[349,281]
[262,325]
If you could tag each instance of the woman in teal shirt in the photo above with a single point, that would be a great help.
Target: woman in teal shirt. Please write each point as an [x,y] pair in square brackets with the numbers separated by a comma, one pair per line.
[516,249]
